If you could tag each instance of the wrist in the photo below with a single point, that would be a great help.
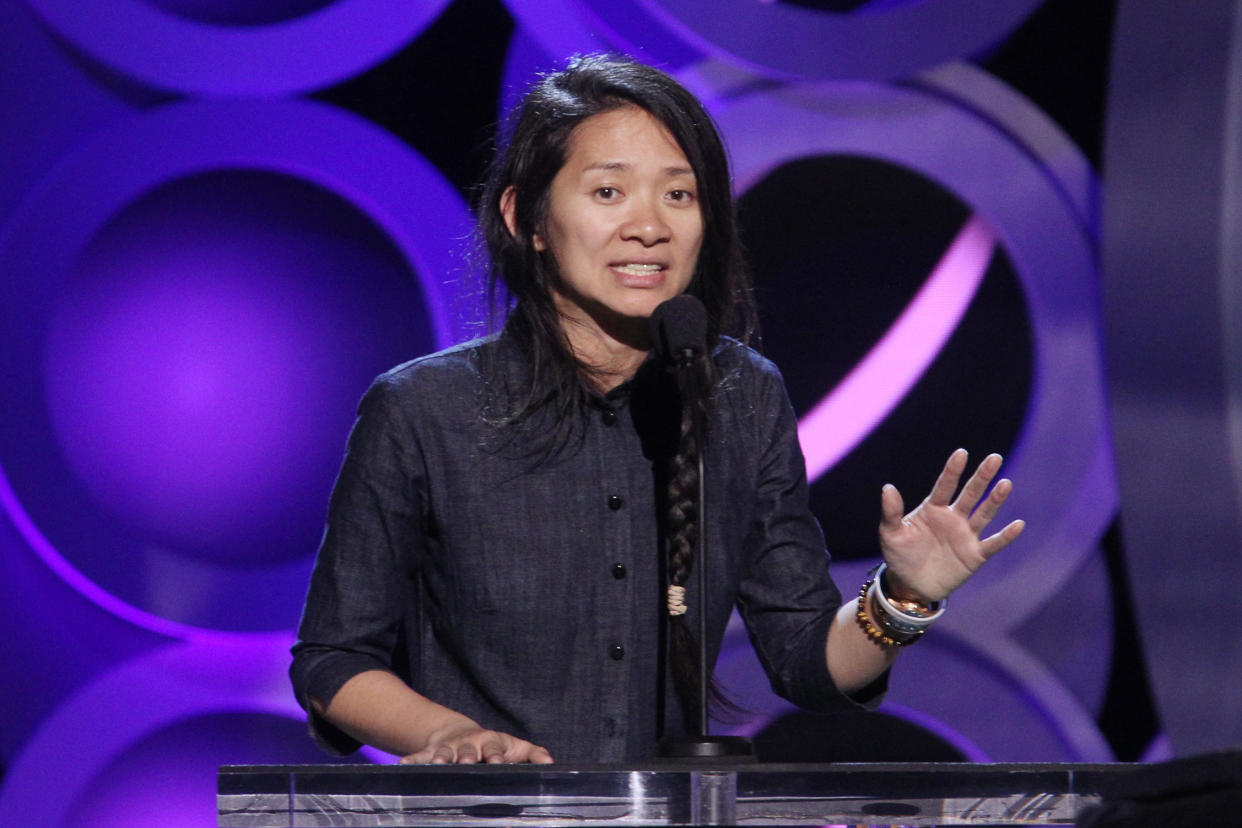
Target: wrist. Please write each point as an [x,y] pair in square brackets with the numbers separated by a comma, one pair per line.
[917,612]
[896,590]
[892,622]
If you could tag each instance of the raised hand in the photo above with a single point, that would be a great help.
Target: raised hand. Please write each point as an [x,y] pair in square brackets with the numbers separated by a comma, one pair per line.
[932,550]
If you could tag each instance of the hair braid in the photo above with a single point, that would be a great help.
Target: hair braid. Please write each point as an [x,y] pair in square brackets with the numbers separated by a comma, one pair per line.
[682,528]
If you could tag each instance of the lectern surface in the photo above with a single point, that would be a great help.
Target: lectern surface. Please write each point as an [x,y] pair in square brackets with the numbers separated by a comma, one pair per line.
[686,793]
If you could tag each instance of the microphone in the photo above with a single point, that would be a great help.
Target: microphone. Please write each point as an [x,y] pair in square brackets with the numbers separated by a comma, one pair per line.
[678,329]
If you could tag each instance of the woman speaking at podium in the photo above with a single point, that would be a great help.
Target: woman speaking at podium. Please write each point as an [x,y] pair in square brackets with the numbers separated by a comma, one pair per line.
[505,574]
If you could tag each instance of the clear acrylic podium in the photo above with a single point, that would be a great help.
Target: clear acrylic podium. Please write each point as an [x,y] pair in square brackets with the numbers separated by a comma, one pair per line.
[684,793]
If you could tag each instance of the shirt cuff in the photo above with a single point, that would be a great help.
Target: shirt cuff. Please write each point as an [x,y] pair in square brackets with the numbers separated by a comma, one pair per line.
[322,681]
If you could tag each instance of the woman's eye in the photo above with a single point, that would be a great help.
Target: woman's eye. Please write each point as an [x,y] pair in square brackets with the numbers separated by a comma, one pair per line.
[606,192]
[681,195]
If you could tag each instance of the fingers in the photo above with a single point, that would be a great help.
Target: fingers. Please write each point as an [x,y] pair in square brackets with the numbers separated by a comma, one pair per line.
[433,755]
[977,485]
[990,506]
[494,753]
[946,483]
[521,751]
[991,545]
[487,746]
[540,756]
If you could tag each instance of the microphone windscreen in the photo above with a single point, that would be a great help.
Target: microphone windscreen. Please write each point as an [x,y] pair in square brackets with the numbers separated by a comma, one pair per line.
[678,325]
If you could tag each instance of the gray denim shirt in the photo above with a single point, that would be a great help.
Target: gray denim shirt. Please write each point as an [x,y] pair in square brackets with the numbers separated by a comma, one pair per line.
[527,593]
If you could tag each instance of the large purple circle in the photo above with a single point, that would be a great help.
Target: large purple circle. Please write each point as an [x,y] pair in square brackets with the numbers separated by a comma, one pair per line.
[401,194]
[308,52]
[982,142]
[1064,447]
[203,356]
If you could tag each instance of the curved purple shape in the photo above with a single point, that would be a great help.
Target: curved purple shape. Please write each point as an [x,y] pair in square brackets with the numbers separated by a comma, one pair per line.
[170,684]
[398,191]
[931,724]
[784,41]
[240,12]
[880,381]
[946,130]
[166,51]
[1066,496]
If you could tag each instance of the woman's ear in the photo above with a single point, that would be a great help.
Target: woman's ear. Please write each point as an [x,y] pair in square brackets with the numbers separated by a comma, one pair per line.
[508,209]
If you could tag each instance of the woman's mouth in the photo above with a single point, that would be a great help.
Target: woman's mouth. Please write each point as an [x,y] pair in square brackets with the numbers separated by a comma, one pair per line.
[636,269]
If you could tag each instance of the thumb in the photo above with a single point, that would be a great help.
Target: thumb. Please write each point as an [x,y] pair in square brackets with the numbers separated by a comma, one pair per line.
[891,508]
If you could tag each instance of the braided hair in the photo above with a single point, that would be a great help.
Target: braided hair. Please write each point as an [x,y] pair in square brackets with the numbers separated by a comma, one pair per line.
[521,281]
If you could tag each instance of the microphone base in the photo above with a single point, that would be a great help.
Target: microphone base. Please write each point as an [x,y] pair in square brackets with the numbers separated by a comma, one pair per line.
[722,748]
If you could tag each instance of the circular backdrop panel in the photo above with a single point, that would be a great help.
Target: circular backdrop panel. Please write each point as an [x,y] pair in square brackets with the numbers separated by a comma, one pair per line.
[273,48]
[186,710]
[169,364]
[1066,493]
[785,41]
[978,140]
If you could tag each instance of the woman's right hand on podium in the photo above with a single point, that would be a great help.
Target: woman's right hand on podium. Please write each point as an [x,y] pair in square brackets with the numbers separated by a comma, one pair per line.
[378,708]
[469,744]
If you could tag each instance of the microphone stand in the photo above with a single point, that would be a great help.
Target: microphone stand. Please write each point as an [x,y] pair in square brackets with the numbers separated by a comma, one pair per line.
[703,745]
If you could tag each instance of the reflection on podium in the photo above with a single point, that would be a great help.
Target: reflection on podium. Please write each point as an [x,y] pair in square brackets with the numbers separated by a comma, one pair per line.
[672,793]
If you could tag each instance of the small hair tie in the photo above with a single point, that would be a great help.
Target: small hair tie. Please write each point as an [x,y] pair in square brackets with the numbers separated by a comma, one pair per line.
[676,600]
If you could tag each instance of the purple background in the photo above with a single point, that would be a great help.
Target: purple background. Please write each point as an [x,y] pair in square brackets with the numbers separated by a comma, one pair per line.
[998,225]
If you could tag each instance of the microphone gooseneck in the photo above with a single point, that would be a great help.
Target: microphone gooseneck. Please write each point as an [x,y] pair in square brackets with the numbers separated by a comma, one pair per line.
[678,332]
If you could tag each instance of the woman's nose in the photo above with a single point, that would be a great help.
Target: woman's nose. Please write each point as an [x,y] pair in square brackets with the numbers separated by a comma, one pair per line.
[645,224]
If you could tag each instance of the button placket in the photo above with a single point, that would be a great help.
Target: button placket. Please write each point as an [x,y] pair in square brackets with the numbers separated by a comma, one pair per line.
[615,632]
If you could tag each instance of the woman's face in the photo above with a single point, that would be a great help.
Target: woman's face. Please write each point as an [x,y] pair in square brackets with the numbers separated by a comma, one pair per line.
[624,224]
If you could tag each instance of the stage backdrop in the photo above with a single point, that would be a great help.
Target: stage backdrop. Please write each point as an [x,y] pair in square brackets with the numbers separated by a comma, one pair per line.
[219,220]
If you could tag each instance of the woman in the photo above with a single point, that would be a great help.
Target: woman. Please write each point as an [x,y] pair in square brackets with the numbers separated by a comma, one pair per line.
[493,584]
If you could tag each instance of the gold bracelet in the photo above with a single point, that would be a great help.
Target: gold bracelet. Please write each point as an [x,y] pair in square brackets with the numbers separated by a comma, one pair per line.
[881,637]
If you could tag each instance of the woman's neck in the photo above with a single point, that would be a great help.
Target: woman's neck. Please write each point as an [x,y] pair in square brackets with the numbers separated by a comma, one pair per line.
[609,356]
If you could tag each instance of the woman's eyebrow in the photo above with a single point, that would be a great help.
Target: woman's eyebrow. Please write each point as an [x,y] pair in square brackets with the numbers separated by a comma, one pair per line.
[608,166]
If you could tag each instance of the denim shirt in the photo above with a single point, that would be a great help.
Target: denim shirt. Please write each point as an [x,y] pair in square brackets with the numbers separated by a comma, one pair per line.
[526,592]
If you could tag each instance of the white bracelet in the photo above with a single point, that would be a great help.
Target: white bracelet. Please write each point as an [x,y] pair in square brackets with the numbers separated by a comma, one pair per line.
[903,619]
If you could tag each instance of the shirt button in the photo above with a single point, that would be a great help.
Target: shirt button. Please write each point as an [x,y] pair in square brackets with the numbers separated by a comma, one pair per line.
[618,571]
[609,417]
[615,502]
[616,652]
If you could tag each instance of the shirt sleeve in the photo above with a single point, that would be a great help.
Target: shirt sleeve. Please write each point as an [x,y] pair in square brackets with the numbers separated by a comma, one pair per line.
[363,584]
[787,598]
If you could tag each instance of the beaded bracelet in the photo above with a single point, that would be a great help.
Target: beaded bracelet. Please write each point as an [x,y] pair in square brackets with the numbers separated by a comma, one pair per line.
[873,632]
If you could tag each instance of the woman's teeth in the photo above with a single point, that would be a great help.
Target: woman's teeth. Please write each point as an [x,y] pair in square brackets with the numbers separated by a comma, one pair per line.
[639,269]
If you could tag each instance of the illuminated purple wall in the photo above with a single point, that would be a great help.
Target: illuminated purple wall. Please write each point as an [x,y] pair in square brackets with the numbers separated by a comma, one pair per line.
[219,220]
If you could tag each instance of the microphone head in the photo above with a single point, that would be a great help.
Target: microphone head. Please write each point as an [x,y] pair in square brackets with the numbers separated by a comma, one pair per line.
[679,325]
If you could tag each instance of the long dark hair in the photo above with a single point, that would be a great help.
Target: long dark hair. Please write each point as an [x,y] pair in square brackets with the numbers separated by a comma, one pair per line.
[539,134]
